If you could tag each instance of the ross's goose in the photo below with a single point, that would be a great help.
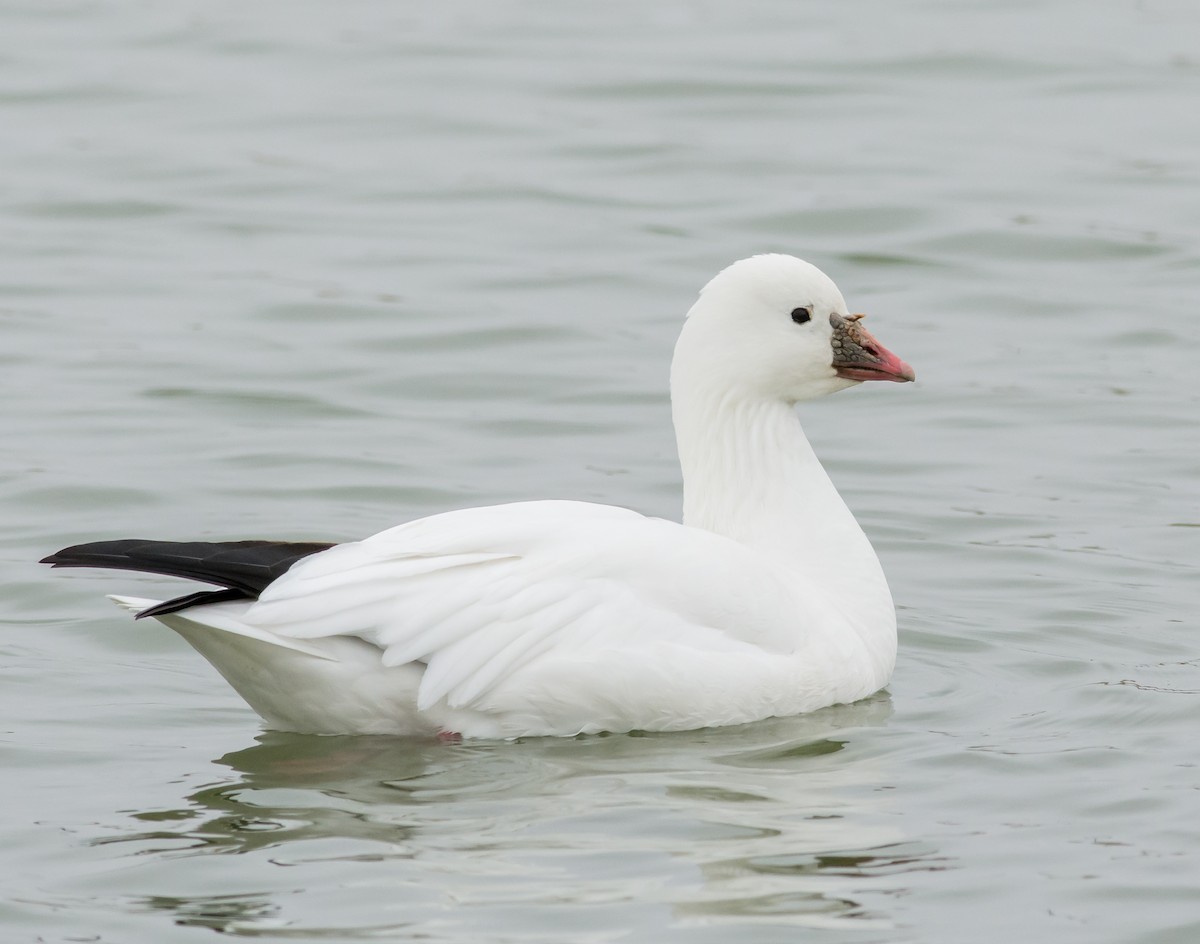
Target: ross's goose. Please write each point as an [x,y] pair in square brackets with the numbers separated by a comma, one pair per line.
[559,617]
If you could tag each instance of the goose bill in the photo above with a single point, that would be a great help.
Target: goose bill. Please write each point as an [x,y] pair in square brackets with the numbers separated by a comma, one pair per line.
[858,356]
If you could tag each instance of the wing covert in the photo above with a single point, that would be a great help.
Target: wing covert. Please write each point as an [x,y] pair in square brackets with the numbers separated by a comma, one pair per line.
[482,594]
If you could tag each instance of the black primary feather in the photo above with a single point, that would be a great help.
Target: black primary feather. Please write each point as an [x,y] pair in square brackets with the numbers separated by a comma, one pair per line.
[243,568]
[200,597]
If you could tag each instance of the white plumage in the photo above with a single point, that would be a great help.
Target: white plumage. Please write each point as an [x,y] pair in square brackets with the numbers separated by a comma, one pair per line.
[555,618]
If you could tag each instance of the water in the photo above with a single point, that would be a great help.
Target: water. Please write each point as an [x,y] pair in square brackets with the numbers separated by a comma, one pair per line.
[308,271]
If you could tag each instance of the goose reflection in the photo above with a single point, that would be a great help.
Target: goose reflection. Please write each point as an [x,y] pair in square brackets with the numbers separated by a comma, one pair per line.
[783,820]
[291,788]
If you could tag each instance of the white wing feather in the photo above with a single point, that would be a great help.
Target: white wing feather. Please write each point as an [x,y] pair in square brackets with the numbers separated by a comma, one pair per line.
[484,596]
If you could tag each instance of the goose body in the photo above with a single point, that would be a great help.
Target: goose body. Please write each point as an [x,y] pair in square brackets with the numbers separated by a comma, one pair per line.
[558,617]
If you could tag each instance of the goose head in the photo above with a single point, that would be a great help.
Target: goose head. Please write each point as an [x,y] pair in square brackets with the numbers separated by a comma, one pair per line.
[774,327]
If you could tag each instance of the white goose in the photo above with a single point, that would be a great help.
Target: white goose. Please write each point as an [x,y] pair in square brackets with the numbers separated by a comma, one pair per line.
[558,617]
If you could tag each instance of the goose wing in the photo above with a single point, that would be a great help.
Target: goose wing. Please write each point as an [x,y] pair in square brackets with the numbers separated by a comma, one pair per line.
[484,596]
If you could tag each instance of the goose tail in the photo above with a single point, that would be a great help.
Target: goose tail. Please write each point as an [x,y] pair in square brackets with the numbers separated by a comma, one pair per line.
[331,685]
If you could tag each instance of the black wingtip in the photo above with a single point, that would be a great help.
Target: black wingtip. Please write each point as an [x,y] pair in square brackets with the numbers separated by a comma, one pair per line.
[95,554]
[198,598]
[243,568]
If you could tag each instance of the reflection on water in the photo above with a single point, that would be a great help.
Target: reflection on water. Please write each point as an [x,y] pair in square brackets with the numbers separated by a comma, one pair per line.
[781,821]
[224,913]
[293,788]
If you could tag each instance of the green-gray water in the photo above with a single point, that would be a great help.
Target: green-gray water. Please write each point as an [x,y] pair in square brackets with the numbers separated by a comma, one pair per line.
[308,270]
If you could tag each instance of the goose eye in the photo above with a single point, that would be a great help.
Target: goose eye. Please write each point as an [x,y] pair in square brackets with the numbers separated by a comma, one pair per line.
[801,315]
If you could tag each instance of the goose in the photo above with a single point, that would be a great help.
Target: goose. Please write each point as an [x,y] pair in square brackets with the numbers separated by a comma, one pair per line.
[560,618]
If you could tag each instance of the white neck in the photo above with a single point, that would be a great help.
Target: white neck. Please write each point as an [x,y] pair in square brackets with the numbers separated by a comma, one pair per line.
[750,474]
